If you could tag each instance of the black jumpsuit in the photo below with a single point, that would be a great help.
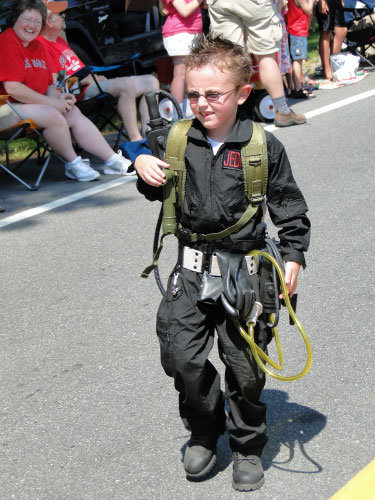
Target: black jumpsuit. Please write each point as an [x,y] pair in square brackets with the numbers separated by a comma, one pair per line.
[215,199]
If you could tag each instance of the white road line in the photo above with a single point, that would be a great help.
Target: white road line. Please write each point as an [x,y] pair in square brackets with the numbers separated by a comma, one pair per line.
[64,201]
[331,107]
[123,180]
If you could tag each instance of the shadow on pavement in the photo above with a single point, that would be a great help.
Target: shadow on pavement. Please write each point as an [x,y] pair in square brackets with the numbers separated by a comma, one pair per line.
[289,424]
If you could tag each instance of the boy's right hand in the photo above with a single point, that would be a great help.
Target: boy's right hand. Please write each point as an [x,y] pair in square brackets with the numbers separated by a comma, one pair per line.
[150,170]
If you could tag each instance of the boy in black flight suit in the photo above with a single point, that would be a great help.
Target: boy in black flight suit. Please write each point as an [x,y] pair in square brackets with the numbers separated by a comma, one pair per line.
[217,77]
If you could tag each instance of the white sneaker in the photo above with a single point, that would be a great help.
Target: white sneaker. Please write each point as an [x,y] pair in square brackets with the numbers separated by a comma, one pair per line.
[120,166]
[81,171]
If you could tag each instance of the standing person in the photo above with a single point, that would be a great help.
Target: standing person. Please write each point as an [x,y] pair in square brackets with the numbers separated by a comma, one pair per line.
[284,55]
[26,77]
[263,32]
[331,21]
[183,23]
[217,77]
[297,25]
[124,89]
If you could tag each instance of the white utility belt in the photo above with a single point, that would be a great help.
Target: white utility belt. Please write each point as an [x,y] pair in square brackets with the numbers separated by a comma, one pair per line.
[194,260]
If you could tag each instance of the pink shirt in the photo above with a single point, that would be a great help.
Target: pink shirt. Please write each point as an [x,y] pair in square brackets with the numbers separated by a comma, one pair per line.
[177,24]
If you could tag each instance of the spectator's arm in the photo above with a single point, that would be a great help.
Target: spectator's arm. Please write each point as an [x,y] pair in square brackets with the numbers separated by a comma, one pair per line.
[322,7]
[186,9]
[306,6]
[24,94]
[281,4]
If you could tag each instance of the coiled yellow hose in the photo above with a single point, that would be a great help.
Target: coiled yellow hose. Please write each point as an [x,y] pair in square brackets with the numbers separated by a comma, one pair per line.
[257,351]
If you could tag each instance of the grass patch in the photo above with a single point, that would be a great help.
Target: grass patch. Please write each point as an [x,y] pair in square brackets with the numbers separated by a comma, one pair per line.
[313,58]
[18,149]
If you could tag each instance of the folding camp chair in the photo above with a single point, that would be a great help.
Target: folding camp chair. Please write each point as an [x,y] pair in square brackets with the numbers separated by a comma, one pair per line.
[24,128]
[102,108]
[360,19]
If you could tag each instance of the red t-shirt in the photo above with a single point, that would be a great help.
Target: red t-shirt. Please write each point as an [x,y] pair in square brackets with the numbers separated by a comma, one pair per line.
[27,65]
[61,56]
[297,22]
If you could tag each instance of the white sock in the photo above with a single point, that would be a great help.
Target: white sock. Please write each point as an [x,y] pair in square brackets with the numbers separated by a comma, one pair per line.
[110,160]
[75,161]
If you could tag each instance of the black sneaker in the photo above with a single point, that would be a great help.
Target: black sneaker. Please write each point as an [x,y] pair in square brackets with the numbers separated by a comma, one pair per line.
[247,472]
[199,459]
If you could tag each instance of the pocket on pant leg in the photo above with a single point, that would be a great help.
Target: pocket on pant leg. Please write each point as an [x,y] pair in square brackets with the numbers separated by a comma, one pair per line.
[277,30]
[166,341]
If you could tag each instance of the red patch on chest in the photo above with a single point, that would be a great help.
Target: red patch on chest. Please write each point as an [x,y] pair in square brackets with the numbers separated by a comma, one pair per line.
[232,159]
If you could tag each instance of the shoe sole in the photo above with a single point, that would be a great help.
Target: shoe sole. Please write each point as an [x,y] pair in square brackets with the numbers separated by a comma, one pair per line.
[203,472]
[289,123]
[71,176]
[109,171]
[249,486]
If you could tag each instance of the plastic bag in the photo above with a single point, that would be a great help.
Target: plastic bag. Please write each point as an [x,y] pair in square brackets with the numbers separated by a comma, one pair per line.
[344,66]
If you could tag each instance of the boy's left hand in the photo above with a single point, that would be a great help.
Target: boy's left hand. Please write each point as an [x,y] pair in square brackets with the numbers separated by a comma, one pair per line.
[291,274]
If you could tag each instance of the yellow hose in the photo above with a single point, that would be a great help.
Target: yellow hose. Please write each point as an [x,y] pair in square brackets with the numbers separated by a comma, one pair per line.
[257,351]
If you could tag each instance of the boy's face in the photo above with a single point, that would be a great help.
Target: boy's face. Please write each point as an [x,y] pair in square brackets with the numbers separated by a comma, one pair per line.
[218,117]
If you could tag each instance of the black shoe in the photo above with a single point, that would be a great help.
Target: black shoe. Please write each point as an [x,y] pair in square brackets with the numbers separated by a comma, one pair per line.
[198,460]
[247,472]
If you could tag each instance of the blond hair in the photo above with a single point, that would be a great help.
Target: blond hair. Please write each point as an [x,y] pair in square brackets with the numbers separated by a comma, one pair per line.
[216,51]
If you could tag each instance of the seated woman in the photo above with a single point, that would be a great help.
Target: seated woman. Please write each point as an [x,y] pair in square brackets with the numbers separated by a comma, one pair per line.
[25,76]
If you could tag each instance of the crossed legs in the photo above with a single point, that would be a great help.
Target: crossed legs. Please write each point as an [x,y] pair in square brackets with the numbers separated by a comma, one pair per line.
[126,90]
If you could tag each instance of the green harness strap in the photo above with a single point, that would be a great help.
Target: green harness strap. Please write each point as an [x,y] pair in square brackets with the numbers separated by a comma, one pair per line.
[255,171]
[174,183]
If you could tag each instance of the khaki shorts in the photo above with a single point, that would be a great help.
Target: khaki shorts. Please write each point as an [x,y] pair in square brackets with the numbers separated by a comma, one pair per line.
[8,117]
[253,24]
[92,90]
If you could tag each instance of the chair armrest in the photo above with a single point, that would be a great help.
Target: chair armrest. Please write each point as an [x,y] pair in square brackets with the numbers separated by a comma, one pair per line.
[3,99]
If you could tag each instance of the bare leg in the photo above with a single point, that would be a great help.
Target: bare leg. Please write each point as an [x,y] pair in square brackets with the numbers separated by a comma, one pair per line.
[178,82]
[324,50]
[55,128]
[270,75]
[87,135]
[126,90]
[289,79]
[338,38]
[297,74]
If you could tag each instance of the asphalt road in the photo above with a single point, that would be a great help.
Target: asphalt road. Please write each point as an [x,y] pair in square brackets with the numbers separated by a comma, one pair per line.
[86,410]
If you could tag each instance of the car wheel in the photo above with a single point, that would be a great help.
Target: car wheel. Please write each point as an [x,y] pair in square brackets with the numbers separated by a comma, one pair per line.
[264,108]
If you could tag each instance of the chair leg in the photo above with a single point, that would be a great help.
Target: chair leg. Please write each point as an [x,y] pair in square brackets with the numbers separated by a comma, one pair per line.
[355,52]
[28,186]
